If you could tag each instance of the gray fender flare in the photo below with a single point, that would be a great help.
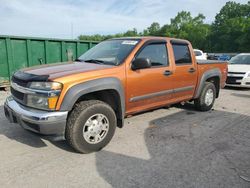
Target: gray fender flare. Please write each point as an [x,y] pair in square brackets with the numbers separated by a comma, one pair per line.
[206,75]
[76,91]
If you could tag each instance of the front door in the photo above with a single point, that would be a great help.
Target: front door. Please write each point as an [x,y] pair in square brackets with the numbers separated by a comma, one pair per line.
[150,87]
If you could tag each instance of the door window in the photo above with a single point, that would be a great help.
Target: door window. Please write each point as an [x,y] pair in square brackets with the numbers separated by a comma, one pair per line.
[156,53]
[182,54]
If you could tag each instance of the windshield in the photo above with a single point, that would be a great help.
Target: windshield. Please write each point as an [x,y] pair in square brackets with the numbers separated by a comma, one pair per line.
[240,59]
[110,52]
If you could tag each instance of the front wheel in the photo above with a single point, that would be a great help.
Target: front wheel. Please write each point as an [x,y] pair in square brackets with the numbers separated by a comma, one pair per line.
[90,126]
[207,97]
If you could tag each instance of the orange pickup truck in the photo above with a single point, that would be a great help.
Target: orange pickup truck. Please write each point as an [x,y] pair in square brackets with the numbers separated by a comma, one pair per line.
[85,100]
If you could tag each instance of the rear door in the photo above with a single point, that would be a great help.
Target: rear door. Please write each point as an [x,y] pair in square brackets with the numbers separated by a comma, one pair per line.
[185,73]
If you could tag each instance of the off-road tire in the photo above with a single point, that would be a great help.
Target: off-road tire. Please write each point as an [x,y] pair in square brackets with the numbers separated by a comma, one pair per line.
[200,102]
[76,120]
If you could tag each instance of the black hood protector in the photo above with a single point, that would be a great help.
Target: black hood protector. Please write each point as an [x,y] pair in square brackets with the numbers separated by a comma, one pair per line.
[23,78]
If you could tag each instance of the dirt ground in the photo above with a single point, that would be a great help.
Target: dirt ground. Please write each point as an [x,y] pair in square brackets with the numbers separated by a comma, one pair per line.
[168,147]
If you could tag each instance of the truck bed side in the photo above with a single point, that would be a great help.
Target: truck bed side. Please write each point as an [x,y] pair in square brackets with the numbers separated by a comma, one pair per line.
[208,68]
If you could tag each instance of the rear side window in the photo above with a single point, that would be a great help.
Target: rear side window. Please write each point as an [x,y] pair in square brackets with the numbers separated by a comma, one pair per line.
[182,54]
[157,53]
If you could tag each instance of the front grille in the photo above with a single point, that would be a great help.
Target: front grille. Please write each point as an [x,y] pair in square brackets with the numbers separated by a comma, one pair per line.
[16,94]
[232,80]
[236,73]
[19,81]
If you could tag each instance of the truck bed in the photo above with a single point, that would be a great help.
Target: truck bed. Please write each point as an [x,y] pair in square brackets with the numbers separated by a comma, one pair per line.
[206,65]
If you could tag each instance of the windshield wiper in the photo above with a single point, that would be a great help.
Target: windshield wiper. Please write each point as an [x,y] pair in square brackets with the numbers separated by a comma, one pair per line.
[94,61]
[79,60]
[97,61]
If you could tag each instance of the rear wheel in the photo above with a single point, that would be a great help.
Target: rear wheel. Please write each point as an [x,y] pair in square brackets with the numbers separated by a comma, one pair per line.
[90,126]
[207,97]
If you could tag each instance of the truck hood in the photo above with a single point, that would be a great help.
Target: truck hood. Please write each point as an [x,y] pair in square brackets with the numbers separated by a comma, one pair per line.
[57,70]
[238,68]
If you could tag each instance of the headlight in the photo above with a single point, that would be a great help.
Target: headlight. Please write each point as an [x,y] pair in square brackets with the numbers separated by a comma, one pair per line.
[41,102]
[248,74]
[45,86]
[45,95]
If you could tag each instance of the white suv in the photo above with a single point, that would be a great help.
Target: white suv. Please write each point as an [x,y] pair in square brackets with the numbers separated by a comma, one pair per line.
[239,71]
[200,55]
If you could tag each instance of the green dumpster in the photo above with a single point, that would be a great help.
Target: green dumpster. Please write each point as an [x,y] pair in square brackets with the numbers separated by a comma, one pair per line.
[19,52]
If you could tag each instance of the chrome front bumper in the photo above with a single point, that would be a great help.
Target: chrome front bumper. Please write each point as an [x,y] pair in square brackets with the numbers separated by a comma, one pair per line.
[238,80]
[47,123]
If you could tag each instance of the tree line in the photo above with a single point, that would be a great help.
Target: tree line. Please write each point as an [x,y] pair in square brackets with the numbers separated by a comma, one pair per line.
[230,31]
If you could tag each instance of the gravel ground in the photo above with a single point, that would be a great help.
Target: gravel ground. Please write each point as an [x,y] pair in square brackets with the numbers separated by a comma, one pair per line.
[170,147]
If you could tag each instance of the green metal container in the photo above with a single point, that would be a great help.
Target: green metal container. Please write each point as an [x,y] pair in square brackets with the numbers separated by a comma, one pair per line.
[20,52]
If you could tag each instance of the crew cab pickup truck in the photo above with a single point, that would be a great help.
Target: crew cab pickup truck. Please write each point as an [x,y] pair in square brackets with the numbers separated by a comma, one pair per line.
[85,100]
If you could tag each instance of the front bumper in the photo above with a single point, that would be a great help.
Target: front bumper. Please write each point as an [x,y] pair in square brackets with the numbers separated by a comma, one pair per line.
[236,81]
[51,124]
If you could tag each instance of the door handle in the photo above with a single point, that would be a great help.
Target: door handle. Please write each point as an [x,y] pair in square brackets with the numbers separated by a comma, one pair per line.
[167,73]
[191,70]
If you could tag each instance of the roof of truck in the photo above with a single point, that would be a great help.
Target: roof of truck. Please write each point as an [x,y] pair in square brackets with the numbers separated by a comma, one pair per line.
[149,37]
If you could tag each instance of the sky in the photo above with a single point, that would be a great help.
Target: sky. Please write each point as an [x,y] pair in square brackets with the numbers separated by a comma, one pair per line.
[68,19]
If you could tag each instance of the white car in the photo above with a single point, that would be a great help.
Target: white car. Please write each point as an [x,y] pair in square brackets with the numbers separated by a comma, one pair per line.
[239,71]
[200,55]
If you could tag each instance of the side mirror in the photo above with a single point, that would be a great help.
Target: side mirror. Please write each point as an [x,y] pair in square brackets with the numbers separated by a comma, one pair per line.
[141,63]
